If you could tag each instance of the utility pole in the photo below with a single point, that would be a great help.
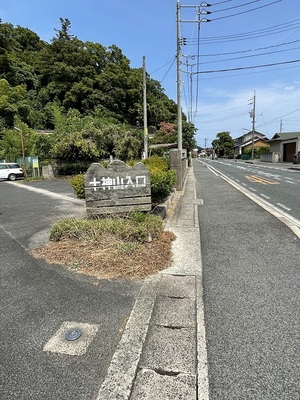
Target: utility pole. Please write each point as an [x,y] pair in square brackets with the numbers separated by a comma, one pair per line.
[179,111]
[23,149]
[280,129]
[145,109]
[180,42]
[252,114]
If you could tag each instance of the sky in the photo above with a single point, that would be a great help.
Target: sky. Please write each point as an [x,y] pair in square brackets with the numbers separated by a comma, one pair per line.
[242,59]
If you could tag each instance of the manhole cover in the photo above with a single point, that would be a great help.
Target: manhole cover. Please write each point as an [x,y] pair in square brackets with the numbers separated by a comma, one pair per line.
[73,334]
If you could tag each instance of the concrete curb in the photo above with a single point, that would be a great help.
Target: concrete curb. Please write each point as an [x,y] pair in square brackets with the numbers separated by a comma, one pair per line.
[122,370]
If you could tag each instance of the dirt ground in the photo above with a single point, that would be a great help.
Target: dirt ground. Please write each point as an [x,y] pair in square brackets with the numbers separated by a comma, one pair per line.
[112,258]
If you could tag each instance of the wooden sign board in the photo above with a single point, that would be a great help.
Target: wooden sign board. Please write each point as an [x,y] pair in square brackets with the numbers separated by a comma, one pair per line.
[117,188]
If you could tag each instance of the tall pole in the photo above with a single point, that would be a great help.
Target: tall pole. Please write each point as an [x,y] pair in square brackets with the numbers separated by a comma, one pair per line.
[145,109]
[179,111]
[23,149]
[253,126]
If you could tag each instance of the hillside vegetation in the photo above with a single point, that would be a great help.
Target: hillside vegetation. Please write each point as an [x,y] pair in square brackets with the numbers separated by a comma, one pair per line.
[86,93]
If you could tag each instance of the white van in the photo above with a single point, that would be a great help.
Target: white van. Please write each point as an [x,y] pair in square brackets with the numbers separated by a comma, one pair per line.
[10,171]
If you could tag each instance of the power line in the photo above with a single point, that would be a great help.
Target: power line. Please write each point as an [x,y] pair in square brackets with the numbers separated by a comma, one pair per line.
[241,5]
[251,67]
[249,50]
[244,12]
[249,35]
[250,56]
[221,2]
[249,73]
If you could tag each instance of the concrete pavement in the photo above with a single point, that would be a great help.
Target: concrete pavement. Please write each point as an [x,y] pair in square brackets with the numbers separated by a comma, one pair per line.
[162,353]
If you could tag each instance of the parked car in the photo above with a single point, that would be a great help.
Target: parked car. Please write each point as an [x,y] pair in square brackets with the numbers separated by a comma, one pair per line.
[10,171]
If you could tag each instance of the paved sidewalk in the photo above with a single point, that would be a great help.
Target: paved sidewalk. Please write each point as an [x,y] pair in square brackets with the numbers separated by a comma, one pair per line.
[162,353]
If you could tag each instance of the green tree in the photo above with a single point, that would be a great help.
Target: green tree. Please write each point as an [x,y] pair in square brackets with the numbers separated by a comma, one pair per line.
[188,136]
[223,145]
[13,103]
[67,74]
[10,143]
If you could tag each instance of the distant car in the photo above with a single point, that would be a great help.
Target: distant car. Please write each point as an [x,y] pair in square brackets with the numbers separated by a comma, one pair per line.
[10,171]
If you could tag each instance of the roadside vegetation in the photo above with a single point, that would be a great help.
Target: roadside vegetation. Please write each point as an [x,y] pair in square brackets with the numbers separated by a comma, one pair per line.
[131,247]
[73,103]
[77,102]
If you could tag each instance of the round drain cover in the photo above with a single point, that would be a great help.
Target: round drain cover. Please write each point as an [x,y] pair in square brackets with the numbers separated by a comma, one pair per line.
[73,334]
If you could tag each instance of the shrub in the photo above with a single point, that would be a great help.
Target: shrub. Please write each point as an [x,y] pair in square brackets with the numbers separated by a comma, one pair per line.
[135,227]
[162,183]
[72,168]
[156,163]
[77,183]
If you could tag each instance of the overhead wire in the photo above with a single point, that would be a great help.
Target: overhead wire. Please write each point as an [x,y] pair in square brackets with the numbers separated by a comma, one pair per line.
[247,11]
[248,35]
[250,56]
[249,50]
[249,67]
[240,5]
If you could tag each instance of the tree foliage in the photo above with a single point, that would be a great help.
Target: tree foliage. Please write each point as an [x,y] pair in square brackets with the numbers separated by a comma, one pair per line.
[224,143]
[86,92]
[167,133]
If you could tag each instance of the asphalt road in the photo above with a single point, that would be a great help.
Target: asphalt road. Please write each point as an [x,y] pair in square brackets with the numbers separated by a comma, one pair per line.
[37,299]
[278,186]
[251,283]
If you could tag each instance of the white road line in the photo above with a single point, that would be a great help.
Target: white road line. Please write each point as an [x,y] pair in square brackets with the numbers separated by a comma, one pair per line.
[284,207]
[253,190]
[265,196]
[211,170]
[49,193]
[292,223]
[290,182]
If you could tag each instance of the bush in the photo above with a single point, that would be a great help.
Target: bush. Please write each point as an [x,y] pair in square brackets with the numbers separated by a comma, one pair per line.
[162,183]
[155,164]
[135,227]
[257,151]
[72,168]
[162,179]
[77,183]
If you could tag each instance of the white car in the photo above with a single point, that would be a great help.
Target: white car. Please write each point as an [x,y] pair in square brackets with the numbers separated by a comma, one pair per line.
[10,171]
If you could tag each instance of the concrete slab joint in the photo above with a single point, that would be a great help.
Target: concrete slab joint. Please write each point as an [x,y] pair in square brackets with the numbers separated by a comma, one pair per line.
[168,365]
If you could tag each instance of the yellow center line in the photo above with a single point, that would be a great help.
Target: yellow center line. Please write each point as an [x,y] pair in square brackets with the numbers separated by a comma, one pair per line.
[259,179]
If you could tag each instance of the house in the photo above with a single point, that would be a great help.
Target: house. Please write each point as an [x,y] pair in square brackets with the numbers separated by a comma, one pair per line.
[245,142]
[286,144]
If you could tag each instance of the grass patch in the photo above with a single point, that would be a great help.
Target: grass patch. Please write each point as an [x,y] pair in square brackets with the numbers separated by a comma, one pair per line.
[136,227]
[128,247]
